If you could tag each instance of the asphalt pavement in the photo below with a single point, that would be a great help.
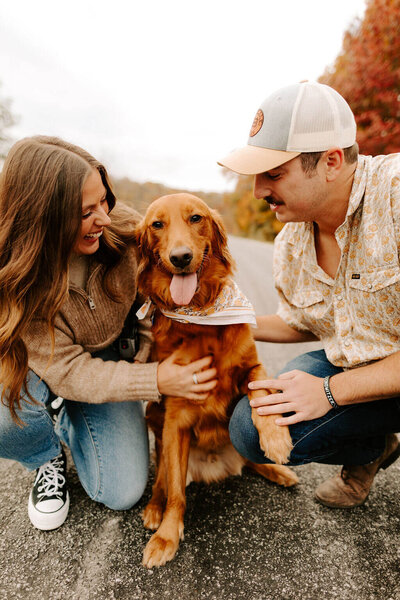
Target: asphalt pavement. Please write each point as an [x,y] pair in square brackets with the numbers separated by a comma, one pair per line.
[245,538]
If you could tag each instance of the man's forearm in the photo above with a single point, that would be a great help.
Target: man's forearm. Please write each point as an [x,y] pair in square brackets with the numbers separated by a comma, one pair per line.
[271,328]
[376,381]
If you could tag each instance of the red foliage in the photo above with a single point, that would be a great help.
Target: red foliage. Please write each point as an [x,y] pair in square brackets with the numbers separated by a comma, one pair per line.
[367,74]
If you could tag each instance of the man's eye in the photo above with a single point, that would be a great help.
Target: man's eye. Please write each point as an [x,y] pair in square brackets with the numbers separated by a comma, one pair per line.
[195,218]
[274,176]
[157,225]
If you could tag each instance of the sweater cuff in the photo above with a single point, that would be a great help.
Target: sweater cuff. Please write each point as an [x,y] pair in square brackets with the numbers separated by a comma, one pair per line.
[144,383]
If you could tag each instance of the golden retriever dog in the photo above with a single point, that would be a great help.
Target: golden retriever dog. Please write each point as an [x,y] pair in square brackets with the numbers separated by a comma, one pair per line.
[185,266]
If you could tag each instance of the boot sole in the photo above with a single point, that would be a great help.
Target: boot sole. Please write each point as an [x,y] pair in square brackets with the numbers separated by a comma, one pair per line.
[391,458]
[329,505]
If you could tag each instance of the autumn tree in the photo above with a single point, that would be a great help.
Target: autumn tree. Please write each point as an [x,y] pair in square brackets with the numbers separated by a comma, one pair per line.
[367,74]
[252,218]
[139,195]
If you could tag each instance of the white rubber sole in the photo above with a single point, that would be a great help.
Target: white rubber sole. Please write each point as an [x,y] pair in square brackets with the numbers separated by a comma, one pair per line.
[47,521]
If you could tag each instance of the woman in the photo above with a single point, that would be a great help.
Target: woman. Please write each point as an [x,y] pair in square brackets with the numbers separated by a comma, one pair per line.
[67,283]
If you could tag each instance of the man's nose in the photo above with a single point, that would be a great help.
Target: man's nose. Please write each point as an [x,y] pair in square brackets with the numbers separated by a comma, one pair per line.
[261,186]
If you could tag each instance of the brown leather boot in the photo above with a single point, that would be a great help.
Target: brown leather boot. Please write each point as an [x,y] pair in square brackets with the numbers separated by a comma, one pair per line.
[351,487]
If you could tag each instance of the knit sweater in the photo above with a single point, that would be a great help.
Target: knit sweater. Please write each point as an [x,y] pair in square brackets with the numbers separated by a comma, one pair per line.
[90,321]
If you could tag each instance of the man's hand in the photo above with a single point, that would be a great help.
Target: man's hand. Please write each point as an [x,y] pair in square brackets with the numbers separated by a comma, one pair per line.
[297,392]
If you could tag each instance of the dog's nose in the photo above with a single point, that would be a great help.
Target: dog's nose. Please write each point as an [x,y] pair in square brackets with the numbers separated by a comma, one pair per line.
[181,257]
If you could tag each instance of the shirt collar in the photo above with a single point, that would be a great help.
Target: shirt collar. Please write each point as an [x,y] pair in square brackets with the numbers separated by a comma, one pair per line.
[359,184]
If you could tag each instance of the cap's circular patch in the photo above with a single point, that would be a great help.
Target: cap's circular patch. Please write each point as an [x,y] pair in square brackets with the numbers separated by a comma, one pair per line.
[257,123]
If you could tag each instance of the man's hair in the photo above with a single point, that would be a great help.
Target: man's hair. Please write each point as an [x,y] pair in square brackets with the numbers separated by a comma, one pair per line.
[309,160]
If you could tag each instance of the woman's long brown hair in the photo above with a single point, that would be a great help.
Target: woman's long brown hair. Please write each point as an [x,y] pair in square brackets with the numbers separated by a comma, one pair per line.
[40,218]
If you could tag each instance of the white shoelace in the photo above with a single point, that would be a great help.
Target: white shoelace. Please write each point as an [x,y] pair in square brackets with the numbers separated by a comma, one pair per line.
[52,479]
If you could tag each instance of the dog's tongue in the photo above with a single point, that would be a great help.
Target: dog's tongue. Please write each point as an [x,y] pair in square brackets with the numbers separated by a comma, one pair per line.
[183,287]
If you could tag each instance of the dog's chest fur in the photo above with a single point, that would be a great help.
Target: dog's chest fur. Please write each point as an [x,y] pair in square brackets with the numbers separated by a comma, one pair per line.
[212,456]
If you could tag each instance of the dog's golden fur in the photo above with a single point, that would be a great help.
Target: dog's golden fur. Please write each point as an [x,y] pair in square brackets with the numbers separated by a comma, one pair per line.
[192,438]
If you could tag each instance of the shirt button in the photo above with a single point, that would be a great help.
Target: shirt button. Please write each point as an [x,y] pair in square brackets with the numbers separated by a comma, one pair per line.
[340,298]
[347,343]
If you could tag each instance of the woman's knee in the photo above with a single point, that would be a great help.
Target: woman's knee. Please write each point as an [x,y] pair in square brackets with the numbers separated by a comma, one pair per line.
[32,403]
[126,500]
[109,445]
[125,490]
[32,441]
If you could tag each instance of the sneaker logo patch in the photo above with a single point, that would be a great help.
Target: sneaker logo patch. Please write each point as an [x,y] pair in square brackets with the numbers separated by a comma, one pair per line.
[257,123]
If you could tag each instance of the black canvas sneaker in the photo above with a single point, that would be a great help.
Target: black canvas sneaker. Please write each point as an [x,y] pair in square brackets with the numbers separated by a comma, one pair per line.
[49,499]
[54,408]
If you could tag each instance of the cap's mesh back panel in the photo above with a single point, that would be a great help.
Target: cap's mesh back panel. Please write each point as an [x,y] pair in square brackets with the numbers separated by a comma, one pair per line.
[314,113]
[321,119]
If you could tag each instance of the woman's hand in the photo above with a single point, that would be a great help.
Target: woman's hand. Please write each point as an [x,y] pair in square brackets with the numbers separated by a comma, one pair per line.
[178,381]
[299,392]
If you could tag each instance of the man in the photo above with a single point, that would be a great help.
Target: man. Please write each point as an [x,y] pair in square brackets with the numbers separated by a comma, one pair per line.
[336,269]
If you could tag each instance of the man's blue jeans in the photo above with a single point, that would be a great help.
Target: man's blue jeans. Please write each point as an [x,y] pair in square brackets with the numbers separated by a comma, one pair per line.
[352,435]
[108,442]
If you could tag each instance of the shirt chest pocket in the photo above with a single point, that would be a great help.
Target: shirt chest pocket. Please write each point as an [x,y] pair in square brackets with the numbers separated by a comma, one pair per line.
[305,298]
[300,290]
[381,279]
[374,303]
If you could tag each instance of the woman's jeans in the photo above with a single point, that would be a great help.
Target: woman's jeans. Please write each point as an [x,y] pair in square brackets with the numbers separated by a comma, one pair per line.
[108,442]
[351,435]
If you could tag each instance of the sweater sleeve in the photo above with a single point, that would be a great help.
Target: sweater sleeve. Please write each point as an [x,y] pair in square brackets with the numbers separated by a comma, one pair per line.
[74,374]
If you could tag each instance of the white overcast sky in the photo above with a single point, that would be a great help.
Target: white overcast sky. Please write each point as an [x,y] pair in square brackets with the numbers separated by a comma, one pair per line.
[160,89]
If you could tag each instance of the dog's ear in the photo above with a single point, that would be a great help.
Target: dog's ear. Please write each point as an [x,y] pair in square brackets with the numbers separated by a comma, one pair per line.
[220,240]
[139,233]
[142,243]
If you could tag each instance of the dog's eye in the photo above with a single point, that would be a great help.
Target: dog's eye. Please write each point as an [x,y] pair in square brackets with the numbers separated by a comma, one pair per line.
[195,218]
[157,224]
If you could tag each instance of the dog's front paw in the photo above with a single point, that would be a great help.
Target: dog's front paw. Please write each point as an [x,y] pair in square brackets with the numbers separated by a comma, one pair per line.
[160,550]
[152,516]
[278,446]
[275,440]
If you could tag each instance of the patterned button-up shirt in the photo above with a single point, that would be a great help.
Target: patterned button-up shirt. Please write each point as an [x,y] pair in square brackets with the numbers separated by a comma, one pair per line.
[356,315]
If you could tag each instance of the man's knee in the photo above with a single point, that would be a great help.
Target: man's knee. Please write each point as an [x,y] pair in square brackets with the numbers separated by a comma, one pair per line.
[243,434]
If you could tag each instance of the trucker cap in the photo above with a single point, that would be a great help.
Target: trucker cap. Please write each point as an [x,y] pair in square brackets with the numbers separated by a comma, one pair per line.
[303,117]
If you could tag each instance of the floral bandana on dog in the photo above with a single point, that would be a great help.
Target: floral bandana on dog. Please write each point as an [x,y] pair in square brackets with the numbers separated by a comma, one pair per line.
[230,307]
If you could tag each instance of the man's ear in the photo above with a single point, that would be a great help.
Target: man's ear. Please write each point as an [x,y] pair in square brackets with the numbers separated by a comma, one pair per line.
[334,160]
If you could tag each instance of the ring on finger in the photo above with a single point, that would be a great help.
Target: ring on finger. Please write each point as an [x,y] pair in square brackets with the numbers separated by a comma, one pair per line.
[195,380]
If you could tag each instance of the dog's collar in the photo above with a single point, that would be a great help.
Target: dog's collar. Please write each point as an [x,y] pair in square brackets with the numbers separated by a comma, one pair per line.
[230,307]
